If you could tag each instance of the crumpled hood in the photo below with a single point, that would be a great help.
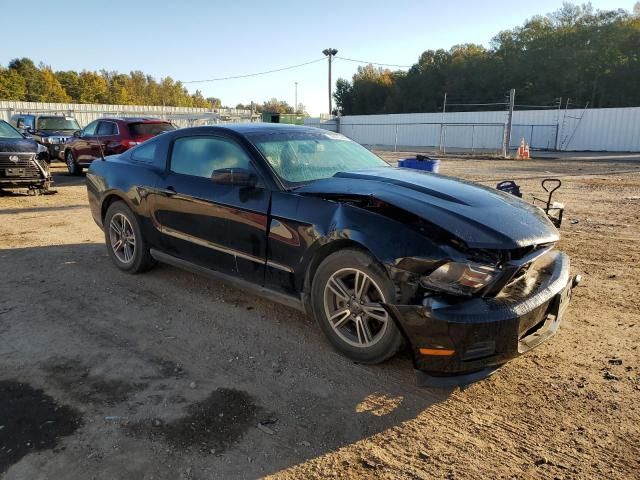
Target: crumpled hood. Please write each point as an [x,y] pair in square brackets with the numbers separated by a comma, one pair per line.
[480,216]
[18,145]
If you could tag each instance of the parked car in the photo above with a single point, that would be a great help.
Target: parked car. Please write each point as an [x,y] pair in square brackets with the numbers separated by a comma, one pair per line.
[52,131]
[468,276]
[22,162]
[109,136]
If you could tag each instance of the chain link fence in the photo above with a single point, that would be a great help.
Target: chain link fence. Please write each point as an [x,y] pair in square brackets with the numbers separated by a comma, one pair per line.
[476,137]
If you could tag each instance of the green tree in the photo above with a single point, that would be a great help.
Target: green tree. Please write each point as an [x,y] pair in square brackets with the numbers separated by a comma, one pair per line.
[52,89]
[344,96]
[12,85]
[214,102]
[93,88]
[576,51]
[199,101]
[33,79]
[277,106]
[70,82]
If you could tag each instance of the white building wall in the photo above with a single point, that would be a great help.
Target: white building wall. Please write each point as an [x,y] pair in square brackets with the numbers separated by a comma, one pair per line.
[603,129]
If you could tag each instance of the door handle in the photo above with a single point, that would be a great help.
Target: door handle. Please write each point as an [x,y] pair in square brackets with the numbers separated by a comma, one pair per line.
[169,191]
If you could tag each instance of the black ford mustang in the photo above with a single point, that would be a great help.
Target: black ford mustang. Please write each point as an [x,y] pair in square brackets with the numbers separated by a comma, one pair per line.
[467,276]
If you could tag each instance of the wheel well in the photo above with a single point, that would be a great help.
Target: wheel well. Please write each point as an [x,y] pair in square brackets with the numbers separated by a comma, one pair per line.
[107,203]
[322,253]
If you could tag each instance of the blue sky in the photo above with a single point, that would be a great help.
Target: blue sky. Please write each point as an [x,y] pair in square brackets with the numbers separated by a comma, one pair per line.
[198,39]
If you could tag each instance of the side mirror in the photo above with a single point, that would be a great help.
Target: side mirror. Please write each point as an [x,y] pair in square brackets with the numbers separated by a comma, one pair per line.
[77,133]
[238,177]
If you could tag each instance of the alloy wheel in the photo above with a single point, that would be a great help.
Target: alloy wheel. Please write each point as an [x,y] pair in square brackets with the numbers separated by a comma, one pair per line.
[122,238]
[353,306]
[70,163]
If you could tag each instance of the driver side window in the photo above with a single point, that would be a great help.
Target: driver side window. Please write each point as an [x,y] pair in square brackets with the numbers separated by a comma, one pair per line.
[200,156]
[90,130]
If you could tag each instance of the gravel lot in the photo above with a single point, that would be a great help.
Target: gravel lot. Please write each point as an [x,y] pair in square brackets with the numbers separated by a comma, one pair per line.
[169,375]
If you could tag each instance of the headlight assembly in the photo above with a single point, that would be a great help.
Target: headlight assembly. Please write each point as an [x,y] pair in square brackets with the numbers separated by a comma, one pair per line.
[460,278]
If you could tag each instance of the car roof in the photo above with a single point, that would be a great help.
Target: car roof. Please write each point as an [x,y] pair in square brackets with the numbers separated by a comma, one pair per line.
[249,128]
[40,115]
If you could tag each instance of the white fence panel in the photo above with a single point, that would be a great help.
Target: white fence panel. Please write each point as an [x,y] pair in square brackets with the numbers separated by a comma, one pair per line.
[605,129]
[602,129]
[86,113]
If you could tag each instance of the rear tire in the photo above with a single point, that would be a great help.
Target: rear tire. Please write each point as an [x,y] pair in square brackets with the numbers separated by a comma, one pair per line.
[72,166]
[346,296]
[123,237]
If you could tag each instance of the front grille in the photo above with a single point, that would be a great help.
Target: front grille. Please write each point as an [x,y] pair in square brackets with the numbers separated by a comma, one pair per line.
[25,161]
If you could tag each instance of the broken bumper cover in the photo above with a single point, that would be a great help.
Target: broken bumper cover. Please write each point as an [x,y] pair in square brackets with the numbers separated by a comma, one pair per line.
[468,341]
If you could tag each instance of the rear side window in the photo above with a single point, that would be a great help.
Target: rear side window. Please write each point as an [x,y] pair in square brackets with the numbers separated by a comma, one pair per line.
[107,129]
[146,153]
[200,156]
[146,129]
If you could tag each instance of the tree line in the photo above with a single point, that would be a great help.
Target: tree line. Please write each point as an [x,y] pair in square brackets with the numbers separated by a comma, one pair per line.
[23,80]
[574,53]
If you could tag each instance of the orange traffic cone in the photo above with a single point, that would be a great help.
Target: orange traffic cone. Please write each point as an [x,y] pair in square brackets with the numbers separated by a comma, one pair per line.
[521,150]
[525,154]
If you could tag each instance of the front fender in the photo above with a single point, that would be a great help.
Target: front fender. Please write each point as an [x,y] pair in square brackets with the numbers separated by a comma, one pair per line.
[392,243]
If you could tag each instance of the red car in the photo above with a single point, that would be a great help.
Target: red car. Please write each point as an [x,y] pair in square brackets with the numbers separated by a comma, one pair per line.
[109,136]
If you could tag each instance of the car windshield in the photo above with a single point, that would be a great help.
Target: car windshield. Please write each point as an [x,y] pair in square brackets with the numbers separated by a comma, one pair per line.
[57,123]
[301,157]
[7,131]
[145,129]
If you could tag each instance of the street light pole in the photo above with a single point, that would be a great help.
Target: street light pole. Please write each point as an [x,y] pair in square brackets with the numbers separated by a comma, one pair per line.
[295,107]
[330,52]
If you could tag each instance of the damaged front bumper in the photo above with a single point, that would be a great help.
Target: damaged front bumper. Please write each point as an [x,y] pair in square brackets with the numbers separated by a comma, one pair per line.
[455,344]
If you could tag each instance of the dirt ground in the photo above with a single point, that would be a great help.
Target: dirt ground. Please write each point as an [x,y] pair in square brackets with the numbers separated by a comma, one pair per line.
[169,375]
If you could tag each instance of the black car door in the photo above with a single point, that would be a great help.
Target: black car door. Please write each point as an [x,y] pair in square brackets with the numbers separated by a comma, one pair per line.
[218,225]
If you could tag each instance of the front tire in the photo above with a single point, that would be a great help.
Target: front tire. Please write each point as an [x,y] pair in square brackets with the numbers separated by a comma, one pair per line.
[73,168]
[347,294]
[123,236]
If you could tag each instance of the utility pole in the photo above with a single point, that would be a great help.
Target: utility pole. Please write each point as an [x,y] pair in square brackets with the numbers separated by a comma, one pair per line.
[330,52]
[507,134]
[295,107]
[558,124]
[442,126]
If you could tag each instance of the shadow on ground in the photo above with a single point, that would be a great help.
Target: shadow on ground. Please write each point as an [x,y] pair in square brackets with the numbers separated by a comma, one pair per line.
[182,372]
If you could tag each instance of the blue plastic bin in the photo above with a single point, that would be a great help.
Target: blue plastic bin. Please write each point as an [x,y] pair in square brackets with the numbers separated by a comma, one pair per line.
[421,163]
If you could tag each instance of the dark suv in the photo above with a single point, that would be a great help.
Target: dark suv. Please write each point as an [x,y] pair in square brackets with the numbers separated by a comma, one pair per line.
[109,136]
[22,162]
[52,131]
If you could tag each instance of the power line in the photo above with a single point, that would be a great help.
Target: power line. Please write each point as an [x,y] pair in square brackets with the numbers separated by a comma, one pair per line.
[257,73]
[374,63]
